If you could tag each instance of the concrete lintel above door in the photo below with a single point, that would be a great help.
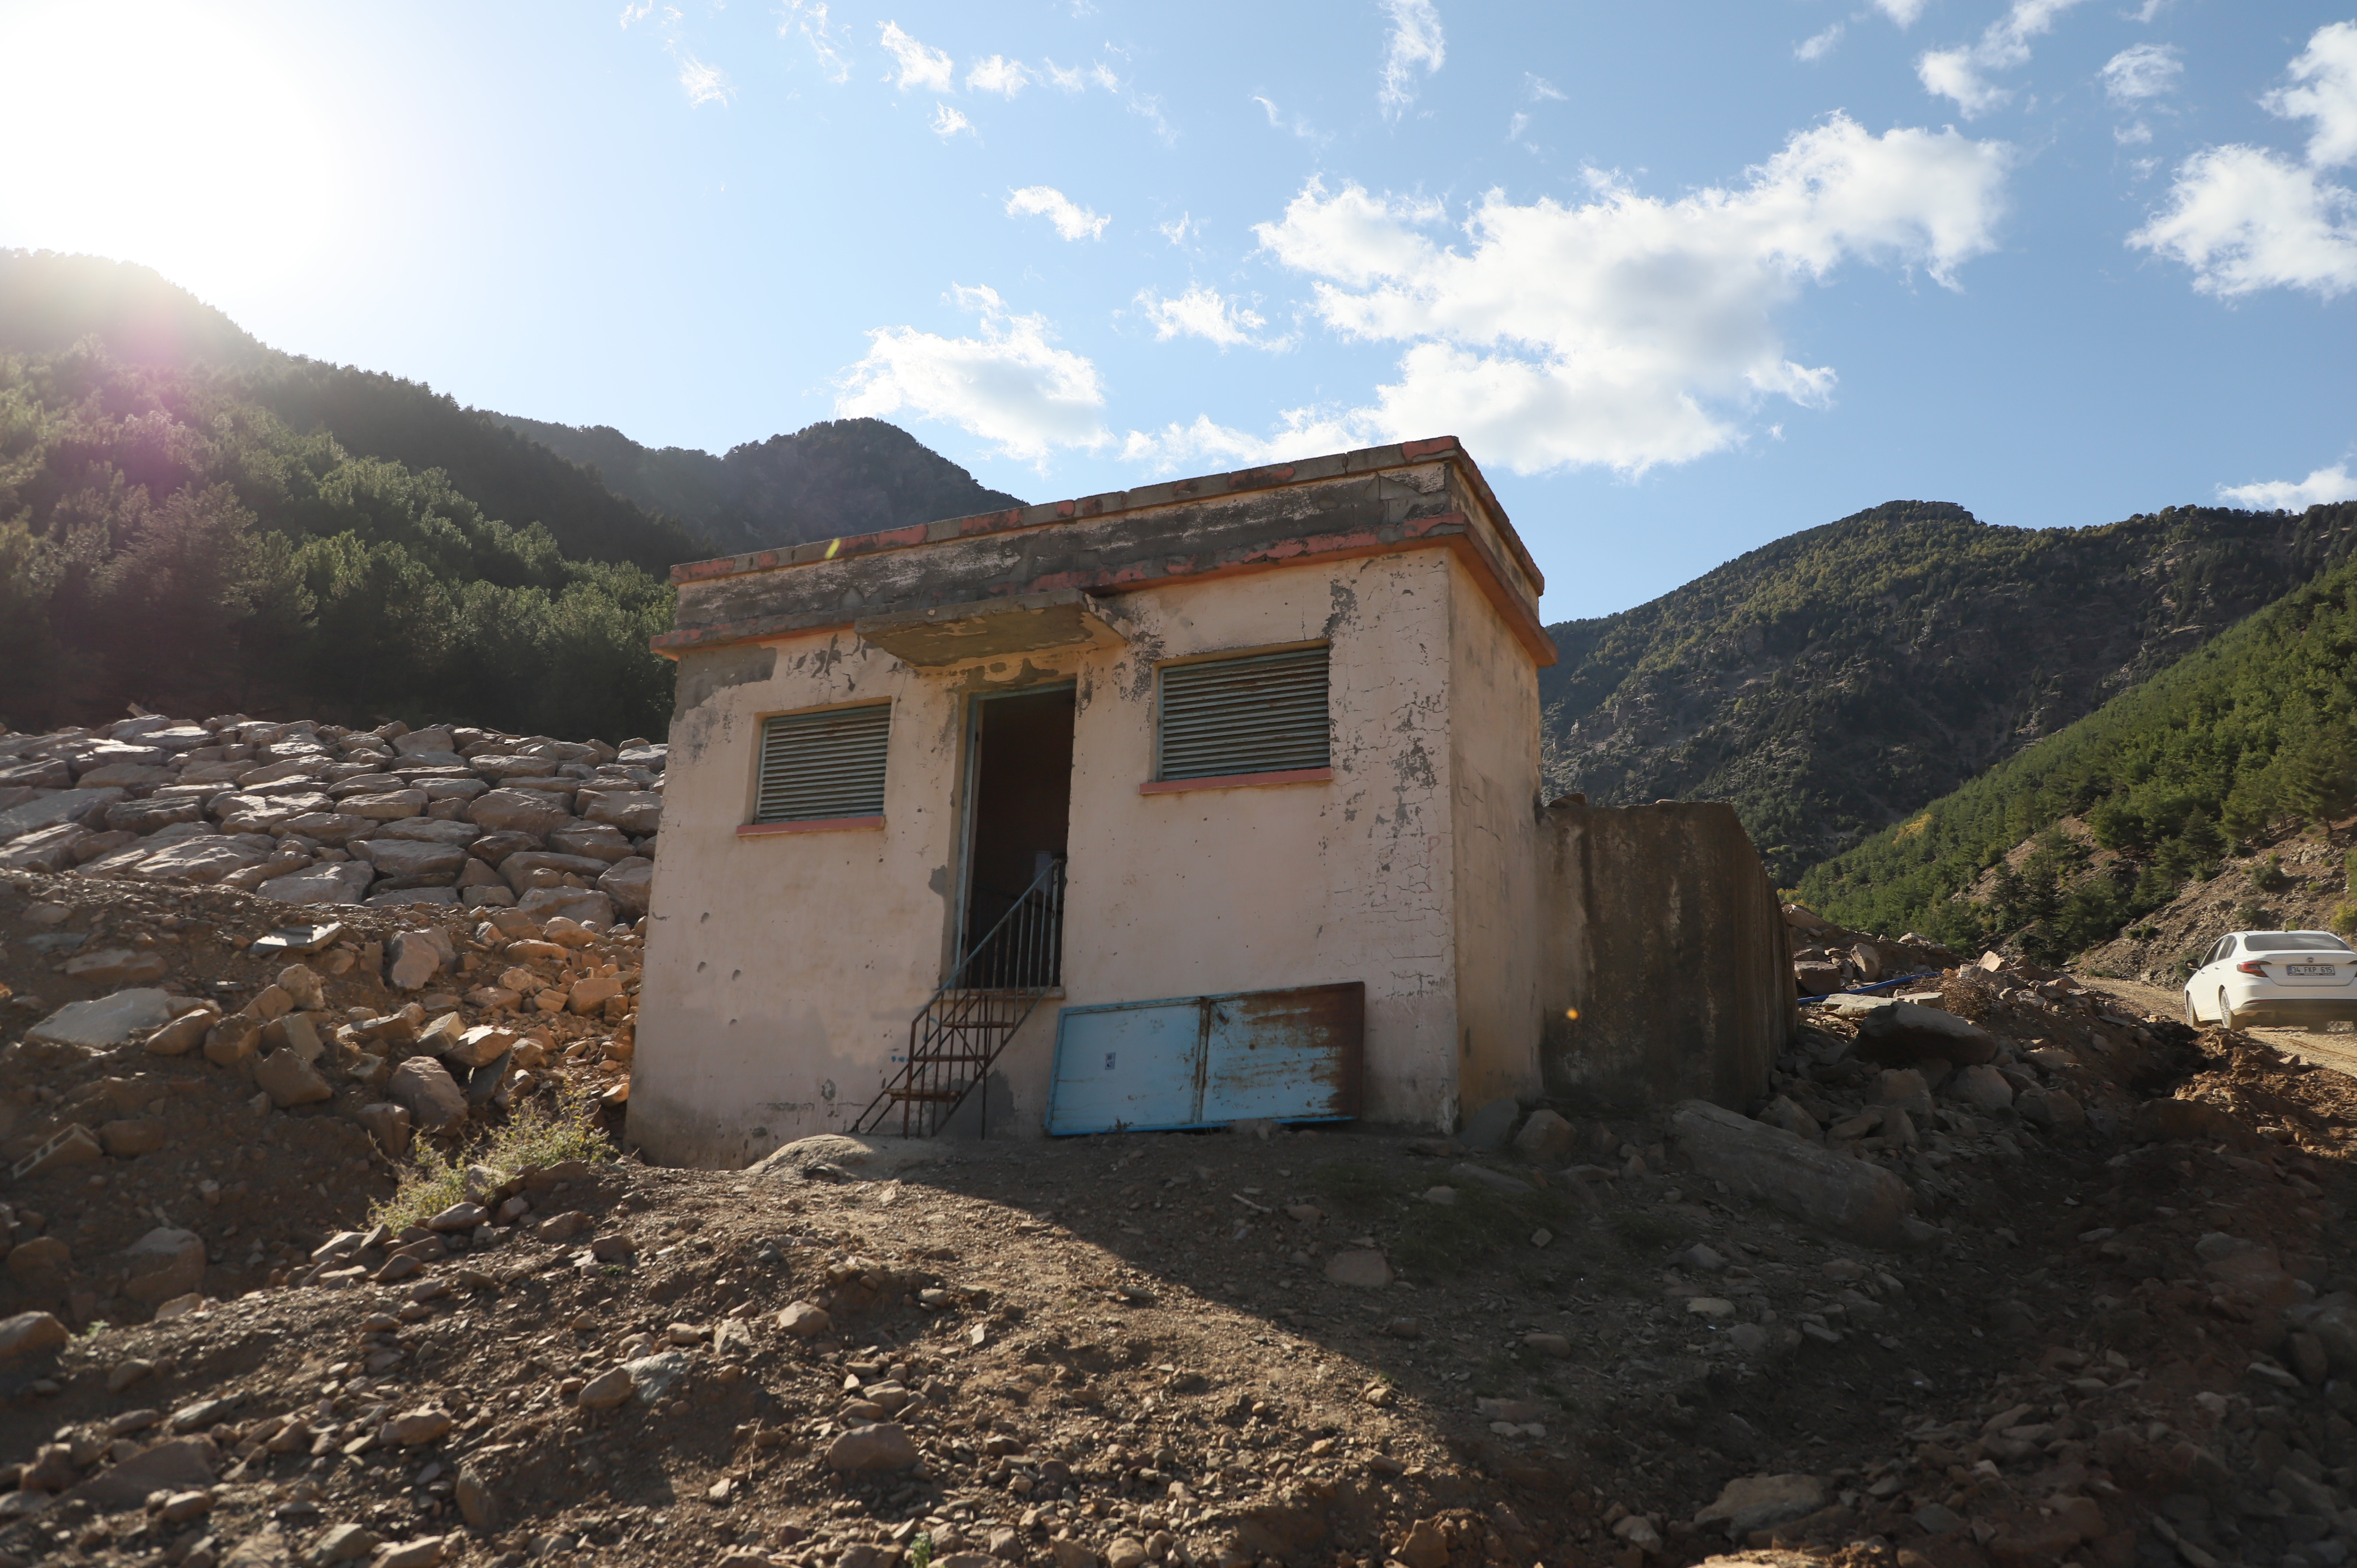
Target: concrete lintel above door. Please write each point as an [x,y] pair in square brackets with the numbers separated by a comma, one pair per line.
[939,636]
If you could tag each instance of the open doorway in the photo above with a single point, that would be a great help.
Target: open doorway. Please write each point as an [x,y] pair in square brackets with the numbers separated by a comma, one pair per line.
[1018,820]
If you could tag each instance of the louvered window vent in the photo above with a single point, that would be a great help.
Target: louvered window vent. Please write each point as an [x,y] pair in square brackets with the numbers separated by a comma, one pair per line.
[1262,714]
[819,765]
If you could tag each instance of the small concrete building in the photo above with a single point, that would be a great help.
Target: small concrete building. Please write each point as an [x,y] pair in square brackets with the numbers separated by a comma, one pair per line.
[1171,806]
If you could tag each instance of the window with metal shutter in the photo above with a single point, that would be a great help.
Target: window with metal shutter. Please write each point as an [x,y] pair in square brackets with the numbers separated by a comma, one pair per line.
[1262,714]
[817,765]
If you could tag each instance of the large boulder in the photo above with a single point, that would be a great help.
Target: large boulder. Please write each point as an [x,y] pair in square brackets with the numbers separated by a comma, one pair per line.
[883,1445]
[328,884]
[494,847]
[582,904]
[336,828]
[207,859]
[163,1264]
[631,884]
[417,956]
[253,812]
[45,849]
[1900,1033]
[547,868]
[1980,1085]
[391,806]
[117,966]
[108,1021]
[599,840]
[1756,1502]
[1834,1192]
[636,812]
[424,1088]
[428,830]
[518,811]
[156,811]
[29,1334]
[289,1079]
[65,806]
[411,858]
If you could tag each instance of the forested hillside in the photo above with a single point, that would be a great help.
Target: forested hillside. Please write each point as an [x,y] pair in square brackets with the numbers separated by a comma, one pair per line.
[830,479]
[167,539]
[194,522]
[1836,682]
[2254,733]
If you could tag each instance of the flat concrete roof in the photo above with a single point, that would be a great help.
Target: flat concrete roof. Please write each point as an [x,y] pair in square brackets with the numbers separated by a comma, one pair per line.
[720,603]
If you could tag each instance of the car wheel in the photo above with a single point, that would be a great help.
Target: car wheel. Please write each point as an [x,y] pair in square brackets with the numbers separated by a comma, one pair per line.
[2225,1012]
[2193,1018]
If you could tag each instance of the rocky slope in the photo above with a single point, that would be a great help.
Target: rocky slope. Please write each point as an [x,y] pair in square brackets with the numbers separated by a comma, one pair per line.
[310,813]
[1832,683]
[837,478]
[2096,1308]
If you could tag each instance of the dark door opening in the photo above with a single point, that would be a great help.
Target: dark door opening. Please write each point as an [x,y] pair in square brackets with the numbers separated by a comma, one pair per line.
[1015,838]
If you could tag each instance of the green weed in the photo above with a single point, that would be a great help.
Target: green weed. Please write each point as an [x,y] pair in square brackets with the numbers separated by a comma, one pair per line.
[533,1136]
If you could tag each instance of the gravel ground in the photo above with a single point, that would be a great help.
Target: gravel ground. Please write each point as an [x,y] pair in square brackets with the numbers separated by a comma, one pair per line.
[2126,1343]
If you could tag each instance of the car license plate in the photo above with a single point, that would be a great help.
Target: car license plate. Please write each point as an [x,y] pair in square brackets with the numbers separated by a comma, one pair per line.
[2307,969]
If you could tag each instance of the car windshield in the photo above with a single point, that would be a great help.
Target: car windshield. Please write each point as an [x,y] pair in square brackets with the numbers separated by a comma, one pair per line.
[2294,941]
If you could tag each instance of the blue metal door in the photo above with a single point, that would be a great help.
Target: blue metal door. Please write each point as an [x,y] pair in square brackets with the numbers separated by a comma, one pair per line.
[1205,1061]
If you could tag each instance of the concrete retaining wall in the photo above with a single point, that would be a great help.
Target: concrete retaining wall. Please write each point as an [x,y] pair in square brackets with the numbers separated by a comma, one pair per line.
[1663,937]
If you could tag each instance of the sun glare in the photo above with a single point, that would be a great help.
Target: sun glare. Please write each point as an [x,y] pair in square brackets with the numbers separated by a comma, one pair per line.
[175,135]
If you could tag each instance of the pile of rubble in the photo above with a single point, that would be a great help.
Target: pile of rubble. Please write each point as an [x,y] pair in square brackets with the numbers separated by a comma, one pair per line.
[1826,958]
[224,1085]
[311,813]
[2001,1273]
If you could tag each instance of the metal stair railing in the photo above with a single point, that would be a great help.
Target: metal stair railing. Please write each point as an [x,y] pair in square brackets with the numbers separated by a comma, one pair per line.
[959,1032]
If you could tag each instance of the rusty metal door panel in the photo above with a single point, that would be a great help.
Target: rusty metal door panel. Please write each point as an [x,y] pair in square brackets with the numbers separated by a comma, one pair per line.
[1205,1061]
[1295,1055]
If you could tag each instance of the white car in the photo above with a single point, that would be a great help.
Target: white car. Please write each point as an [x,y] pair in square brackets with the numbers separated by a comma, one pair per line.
[2292,978]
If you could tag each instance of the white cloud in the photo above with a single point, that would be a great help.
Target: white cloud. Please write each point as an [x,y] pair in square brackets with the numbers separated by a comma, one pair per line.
[2141,71]
[1010,385]
[1962,73]
[1539,89]
[1299,124]
[705,84]
[809,19]
[998,74]
[1179,233]
[2245,218]
[1515,126]
[949,122]
[2321,488]
[920,66]
[1414,40]
[2325,90]
[1301,433]
[1073,220]
[1080,78]
[2134,136]
[1205,313]
[1819,46]
[1902,12]
[1618,332]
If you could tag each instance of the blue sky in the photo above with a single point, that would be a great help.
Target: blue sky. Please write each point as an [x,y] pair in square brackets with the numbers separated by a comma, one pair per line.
[1686,277]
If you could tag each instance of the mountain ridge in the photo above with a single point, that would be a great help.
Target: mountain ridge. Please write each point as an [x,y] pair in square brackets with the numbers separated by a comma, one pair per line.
[873,477]
[1832,682]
